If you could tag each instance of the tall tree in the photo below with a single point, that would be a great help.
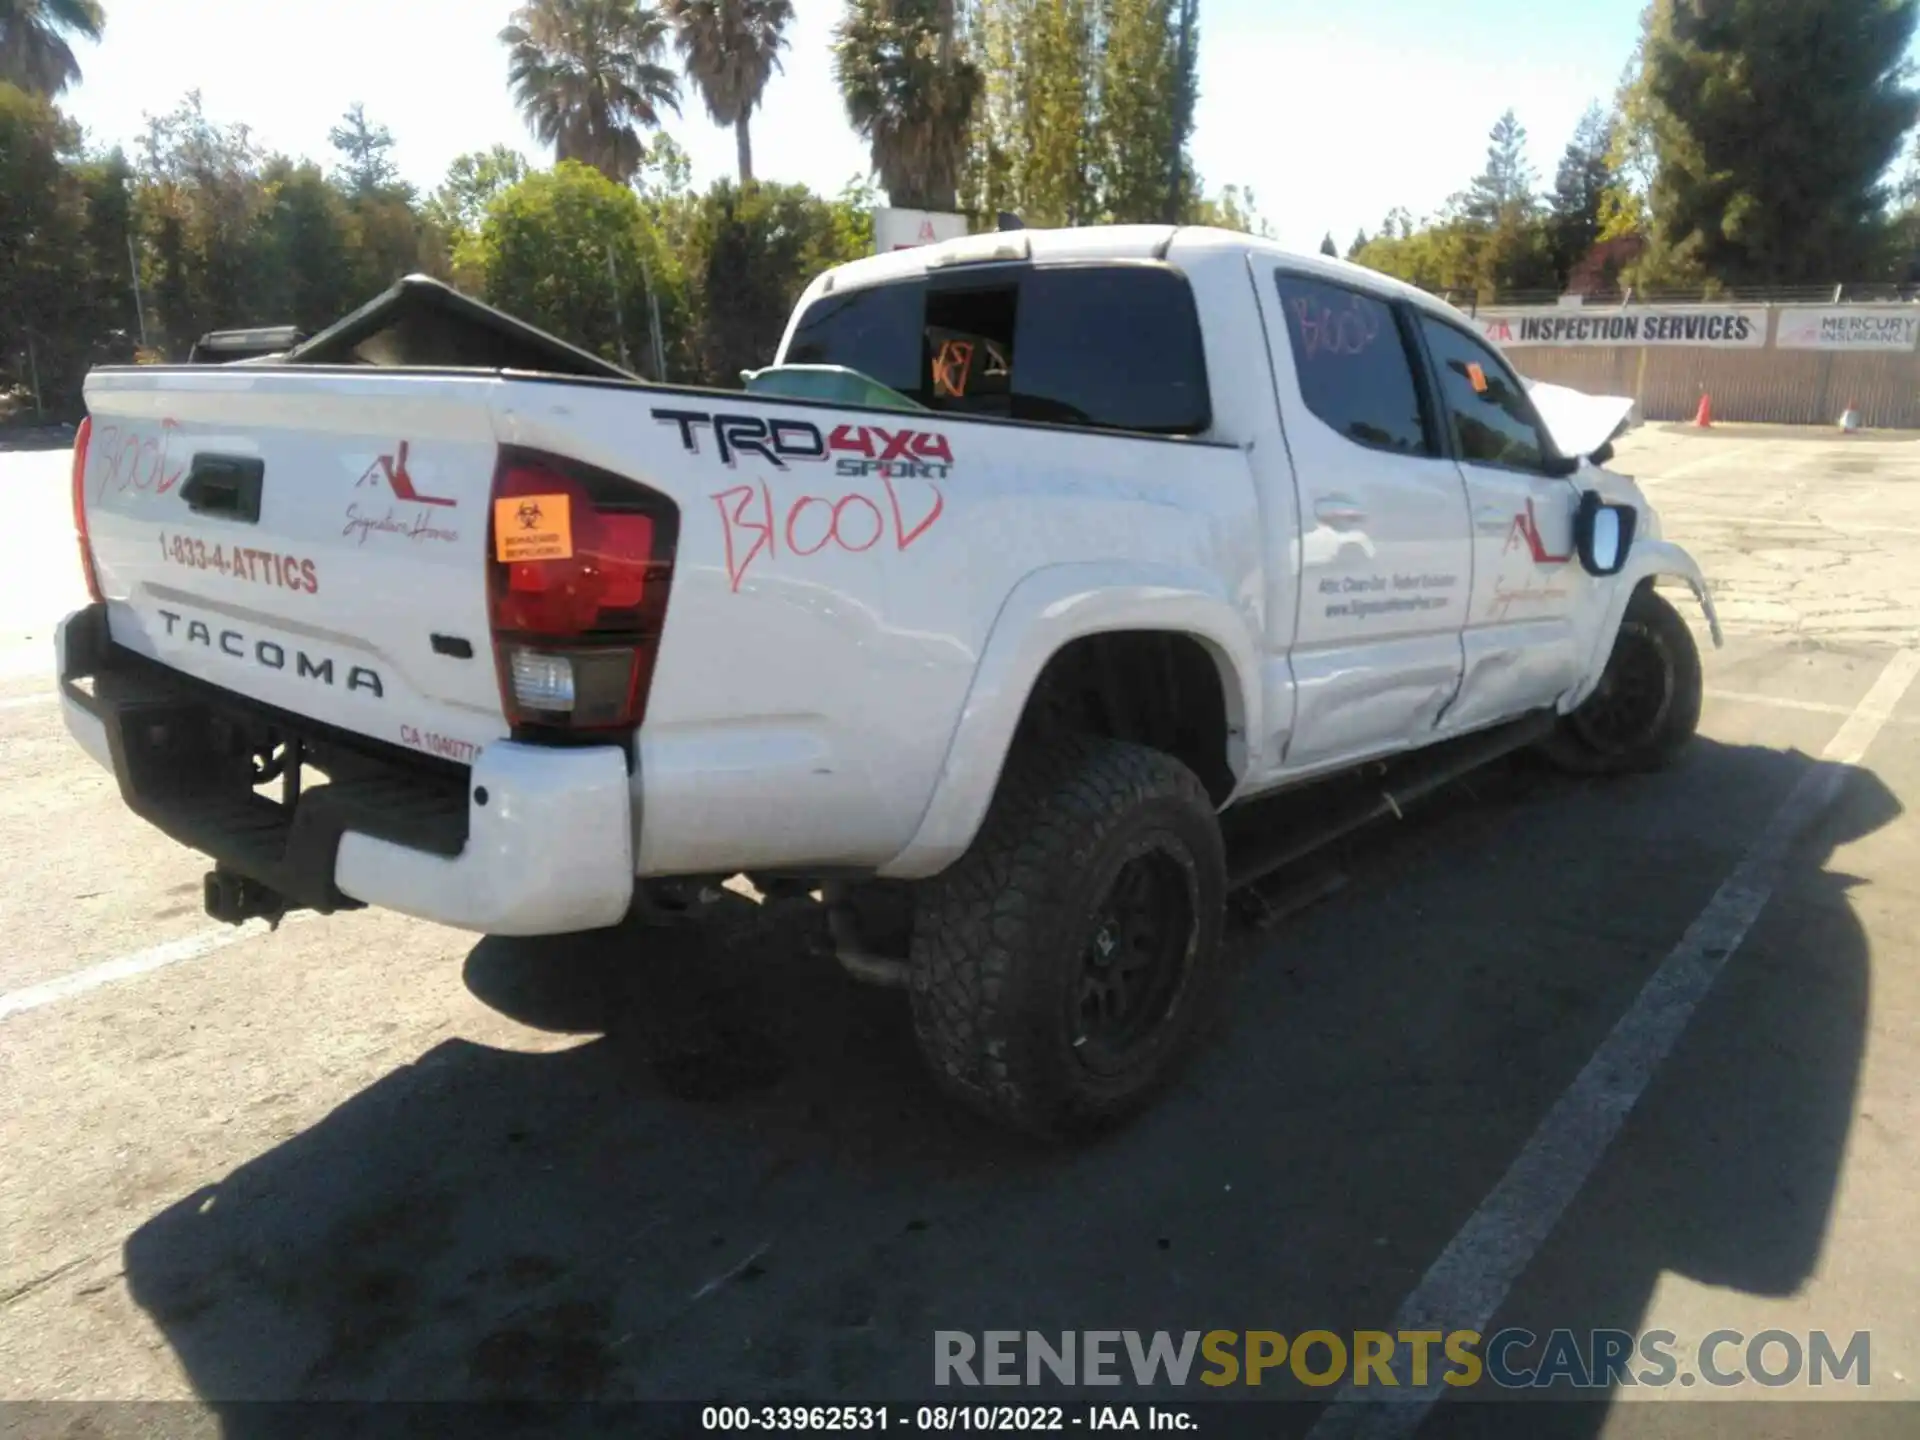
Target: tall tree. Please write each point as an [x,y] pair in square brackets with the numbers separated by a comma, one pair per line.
[107,182]
[1037,138]
[1359,244]
[567,249]
[667,173]
[1327,247]
[1185,20]
[365,166]
[1504,190]
[1773,123]
[1493,240]
[201,198]
[587,76]
[307,278]
[731,48]
[1135,126]
[39,232]
[910,89]
[34,49]
[473,179]
[751,251]
[1580,190]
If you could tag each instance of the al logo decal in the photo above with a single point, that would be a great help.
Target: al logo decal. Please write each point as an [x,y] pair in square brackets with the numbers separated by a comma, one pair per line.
[393,469]
[1525,532]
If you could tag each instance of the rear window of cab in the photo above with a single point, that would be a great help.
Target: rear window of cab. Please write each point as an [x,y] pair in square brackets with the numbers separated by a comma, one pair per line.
[1103,346]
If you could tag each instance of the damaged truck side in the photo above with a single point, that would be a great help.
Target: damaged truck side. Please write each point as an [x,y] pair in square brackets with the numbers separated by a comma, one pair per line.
[1033,558]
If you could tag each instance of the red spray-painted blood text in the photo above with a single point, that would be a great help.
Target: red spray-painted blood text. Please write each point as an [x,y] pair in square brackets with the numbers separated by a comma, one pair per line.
[753,525]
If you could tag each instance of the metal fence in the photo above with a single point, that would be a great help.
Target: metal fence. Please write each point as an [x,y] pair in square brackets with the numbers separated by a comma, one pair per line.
[1795,383]
[1849,293]
[1791,387]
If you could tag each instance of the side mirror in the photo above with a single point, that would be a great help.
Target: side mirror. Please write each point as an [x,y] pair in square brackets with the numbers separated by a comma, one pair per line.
[1603,454]
[1603,534]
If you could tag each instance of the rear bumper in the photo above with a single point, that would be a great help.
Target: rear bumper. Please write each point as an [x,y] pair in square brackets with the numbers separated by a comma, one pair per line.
[531,840]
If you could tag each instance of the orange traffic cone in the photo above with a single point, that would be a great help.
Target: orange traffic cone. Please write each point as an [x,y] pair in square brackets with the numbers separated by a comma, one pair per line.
[1703,417]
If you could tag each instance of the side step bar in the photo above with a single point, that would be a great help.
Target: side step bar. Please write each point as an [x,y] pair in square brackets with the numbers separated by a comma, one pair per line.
[1292,825]
[1271,834]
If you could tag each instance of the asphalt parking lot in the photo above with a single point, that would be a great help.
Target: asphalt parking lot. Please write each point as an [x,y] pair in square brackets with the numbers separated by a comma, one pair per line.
[369,1157]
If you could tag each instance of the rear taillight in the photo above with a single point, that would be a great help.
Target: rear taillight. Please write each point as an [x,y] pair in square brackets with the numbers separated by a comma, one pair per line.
[80,441]
[576,623]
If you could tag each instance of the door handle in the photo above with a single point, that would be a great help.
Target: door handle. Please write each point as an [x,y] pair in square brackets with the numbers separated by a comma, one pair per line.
[1339,512]
[225,485]
[1492,520]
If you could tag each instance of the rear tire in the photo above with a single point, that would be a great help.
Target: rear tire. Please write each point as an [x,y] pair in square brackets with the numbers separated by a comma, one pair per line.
[1647,706]
[1066,965]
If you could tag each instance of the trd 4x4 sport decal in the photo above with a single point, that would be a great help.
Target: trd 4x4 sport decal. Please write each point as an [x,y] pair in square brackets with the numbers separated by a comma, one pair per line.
[904,453]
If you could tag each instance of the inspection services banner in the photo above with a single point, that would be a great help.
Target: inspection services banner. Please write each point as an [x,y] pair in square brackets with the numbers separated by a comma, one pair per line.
[1849,327]
[1719,327]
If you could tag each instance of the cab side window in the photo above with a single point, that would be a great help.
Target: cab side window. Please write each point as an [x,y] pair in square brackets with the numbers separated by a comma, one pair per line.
[1492,418]
[1107,346]
[1354,368]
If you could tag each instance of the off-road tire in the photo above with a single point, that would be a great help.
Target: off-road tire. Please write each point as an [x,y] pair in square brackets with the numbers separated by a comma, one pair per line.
[1653,641]
[1002,938]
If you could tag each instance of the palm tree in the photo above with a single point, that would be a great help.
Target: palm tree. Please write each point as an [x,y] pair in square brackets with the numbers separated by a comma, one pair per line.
[587,75]
[910,89]
[732,48]
[34,53]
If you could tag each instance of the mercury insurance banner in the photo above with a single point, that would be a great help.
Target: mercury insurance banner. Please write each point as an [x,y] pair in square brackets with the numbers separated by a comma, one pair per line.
[1719,327]
[1849,327]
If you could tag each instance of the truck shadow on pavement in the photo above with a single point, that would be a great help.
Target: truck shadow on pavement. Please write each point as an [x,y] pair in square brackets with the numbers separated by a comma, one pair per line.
[740,1185]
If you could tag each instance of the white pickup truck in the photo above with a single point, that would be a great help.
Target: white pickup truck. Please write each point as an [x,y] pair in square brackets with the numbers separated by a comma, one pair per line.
[1032,555]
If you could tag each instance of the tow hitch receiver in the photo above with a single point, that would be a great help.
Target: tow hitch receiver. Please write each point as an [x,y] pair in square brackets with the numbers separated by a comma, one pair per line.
[234,899]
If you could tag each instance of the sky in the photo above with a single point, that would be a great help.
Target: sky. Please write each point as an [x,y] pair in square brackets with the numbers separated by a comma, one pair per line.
[1332,115]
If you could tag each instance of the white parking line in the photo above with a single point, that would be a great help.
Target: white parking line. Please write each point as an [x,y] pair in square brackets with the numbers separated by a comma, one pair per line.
[1468,1283]
[65,987]
[1782,702]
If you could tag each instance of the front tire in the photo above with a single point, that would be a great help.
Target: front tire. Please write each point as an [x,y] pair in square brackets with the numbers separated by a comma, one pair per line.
[1066,965]
[1646,708]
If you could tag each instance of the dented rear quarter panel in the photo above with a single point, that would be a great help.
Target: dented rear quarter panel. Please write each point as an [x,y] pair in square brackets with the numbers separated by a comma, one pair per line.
[829,611]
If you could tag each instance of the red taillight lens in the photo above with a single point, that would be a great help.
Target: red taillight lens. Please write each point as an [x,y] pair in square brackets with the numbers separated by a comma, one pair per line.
[575,635]
[80,442]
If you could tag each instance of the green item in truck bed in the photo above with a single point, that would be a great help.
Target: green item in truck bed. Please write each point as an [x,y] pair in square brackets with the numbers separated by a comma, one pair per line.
[835,384]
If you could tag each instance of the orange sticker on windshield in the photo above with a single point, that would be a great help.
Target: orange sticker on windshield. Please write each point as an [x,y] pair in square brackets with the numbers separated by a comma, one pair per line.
[1478,377]
[532,527]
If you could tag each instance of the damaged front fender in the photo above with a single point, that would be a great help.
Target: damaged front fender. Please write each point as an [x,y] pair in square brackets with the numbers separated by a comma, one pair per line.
[1661,559]
[1649,561]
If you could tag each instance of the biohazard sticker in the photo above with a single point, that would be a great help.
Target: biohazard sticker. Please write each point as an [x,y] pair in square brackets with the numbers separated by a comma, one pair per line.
[532,527]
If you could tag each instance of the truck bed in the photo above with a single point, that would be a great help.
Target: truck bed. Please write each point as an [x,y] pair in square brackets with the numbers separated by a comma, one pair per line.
[836,575]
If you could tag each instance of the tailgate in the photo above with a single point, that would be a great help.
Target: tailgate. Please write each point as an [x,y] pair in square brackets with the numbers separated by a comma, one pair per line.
[315,541]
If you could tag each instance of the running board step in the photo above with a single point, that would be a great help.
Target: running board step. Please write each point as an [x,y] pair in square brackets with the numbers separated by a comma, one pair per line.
[1270,834]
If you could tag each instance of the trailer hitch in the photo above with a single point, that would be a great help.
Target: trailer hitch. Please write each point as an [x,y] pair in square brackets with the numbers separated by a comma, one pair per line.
[234,899]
